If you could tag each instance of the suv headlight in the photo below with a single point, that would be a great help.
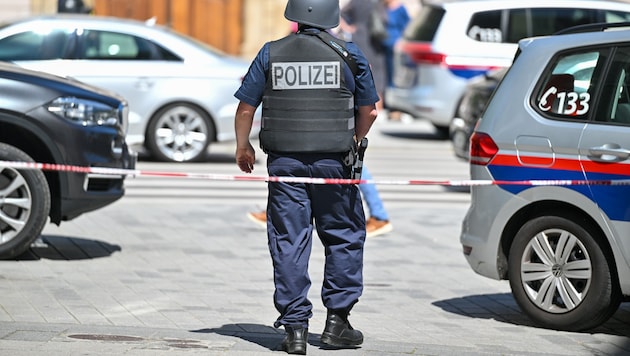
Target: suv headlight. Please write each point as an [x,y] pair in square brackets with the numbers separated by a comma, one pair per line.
[84,112]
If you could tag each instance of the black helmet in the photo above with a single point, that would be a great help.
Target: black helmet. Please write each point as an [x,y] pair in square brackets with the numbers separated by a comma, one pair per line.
[318,13]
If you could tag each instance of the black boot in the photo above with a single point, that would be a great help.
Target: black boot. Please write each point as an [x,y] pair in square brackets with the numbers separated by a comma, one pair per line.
[338,331]
[295,341]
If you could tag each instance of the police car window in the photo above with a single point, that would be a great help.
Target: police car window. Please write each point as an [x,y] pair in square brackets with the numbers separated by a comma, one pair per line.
[35,45]
[485,26]
[517,25]
[566,92]
[615,99]
[551,20]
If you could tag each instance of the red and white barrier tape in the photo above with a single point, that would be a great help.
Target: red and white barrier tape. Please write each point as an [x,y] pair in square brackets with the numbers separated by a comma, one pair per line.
[306,180]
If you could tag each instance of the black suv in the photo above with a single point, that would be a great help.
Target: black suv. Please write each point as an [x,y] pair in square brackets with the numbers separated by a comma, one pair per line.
[49,119]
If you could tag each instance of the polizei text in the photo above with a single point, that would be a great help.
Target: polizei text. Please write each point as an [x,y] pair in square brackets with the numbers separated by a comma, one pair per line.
[306,75]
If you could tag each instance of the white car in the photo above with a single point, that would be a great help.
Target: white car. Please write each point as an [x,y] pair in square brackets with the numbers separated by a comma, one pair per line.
[449,42]
[180,91]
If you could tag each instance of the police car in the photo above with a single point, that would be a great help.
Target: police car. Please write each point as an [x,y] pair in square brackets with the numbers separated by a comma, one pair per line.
[449,42]
[553,147]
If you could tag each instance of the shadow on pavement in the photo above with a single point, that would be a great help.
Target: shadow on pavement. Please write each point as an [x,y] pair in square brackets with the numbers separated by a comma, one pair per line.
[263,335]
[503,308]
[210,158]
[67,248]
[457,188]
[414,135]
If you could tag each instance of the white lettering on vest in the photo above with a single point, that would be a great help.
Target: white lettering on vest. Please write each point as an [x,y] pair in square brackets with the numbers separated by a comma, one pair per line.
[305,75]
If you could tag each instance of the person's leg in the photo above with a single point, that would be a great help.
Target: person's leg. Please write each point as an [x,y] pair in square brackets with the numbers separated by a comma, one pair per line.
[378,223]
[340,224]
[289,231]
[372,198]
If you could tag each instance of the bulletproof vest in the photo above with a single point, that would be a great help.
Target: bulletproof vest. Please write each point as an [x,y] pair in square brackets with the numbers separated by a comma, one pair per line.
[306,105]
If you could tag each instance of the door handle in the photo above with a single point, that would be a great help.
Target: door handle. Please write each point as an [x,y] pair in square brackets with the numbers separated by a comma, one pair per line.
[609,152]
[144,83]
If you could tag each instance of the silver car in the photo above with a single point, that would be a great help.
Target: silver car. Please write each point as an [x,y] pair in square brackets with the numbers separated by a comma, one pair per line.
[554,141]
[180,91]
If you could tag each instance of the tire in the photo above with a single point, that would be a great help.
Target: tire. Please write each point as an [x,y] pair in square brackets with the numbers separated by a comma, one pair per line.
[179,133]
[460,143]
[442,132]
[539,277]
[24,204]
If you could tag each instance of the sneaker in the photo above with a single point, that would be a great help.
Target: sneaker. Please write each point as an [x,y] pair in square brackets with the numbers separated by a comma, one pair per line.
[375,227]
[259,217]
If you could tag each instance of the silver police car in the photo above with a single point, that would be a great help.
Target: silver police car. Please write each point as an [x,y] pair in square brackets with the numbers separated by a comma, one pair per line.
[554,145]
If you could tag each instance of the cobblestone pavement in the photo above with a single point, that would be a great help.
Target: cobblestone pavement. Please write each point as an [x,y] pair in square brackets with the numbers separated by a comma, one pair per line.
[153,275]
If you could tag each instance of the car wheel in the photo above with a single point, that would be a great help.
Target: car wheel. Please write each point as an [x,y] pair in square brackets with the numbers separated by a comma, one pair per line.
[460,143]
[179,133]
[560,276]
[24,204]
[441,132]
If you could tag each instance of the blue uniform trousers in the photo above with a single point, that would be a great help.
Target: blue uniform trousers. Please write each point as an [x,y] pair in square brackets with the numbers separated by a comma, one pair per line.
[336,211]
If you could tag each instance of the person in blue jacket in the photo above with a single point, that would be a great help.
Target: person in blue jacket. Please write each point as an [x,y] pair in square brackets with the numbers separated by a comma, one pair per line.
[317,102]
[397,20]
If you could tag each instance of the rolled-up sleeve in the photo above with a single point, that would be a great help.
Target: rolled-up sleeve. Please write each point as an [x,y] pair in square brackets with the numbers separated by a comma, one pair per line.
[253,86]
[365,92]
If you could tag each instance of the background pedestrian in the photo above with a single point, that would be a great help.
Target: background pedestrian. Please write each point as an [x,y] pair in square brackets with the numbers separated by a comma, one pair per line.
[355,16]
[397,20]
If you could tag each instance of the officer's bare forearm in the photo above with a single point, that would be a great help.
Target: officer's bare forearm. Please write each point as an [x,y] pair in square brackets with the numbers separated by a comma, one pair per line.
[243,123]
[364,120]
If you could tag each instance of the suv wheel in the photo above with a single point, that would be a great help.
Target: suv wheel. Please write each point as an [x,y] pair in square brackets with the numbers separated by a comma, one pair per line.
[179,133]
[559,275]
[24,204]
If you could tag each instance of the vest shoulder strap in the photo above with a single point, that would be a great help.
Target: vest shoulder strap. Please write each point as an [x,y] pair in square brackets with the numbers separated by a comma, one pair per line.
[339,47]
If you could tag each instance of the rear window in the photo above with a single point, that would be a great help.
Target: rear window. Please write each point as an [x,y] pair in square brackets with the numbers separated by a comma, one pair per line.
[425,24]
[566,92]
[485,26]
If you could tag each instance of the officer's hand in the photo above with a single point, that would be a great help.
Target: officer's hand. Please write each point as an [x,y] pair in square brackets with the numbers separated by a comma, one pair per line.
[245,158]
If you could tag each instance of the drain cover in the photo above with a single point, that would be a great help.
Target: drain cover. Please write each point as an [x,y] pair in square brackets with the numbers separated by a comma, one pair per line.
[187,346]
[101,337]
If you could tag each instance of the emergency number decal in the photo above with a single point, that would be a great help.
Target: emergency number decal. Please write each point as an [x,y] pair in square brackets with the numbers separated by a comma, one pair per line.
[569,103]
[486,34]
[306,75]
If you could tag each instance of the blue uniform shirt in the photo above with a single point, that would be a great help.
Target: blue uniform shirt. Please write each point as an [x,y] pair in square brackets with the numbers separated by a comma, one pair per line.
[253,86]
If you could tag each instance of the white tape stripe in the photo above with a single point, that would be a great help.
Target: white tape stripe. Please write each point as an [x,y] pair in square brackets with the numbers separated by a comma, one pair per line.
[302,180]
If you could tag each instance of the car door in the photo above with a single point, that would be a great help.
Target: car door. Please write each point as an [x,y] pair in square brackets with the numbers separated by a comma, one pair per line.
[605,145]
[124,63]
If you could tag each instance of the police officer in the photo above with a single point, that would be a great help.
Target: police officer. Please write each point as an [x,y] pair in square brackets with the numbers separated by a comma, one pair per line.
[316,104]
